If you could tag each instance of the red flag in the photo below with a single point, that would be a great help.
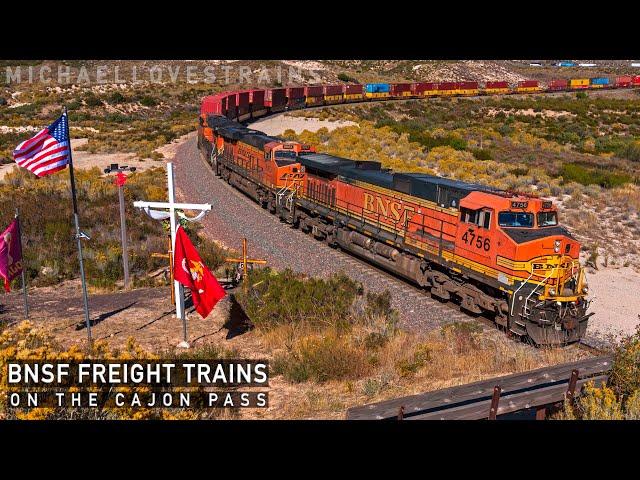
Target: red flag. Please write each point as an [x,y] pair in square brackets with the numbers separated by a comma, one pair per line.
[190,271]
[10,253]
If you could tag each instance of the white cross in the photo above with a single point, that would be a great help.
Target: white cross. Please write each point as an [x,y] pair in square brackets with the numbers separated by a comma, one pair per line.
[156,210]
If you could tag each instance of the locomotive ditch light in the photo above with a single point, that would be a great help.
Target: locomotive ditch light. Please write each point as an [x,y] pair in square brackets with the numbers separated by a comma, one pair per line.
[585,289]
[552,292]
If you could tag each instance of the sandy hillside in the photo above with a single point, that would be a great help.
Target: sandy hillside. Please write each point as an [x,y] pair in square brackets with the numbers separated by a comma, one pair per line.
[278,124]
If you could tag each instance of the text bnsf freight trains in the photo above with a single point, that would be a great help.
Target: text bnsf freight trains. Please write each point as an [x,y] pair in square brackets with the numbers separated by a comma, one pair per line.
[494,252]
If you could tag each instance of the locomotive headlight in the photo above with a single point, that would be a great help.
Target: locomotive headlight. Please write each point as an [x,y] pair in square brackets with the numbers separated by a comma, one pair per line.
[556,246]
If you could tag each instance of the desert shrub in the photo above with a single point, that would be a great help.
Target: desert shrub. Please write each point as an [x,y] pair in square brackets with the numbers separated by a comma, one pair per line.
[418,358]
[462,336]
[625,374]
[482,153]
[592,176]
[321,358]
[343,77]
[148,101]
[277,298]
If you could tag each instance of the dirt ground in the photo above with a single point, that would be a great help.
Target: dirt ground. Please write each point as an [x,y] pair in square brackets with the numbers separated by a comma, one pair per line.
[82,159]
[145,314]
[616,301]
[278,124]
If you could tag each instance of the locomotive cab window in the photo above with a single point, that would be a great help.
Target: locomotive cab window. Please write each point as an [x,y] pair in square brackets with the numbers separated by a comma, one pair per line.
[515,219]
[481,218]
[283,158]
[547,219]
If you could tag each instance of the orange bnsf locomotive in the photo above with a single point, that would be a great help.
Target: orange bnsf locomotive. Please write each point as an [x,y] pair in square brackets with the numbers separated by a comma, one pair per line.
[494,252]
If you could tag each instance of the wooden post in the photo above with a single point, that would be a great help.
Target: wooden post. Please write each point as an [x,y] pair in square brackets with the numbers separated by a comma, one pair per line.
[169,256]
[493,412]
[245,261]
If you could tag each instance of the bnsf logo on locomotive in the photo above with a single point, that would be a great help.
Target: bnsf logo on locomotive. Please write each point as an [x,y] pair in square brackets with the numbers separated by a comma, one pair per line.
[376,206]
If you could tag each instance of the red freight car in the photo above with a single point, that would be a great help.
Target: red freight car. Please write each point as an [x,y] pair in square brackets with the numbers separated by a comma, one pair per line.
[231,106]
[214,104]
[295,97]
[496,87]
[635,81]
[400,89]
[243,105]
[258,108]
[556,85]
[623,81]
[525,86]
[353,91]
[314,95]
[424,88]
[276,99]
[333,94]
[468,88]
[448,88]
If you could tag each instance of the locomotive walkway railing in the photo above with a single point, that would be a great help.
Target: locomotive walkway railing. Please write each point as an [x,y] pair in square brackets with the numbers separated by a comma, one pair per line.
[488,399]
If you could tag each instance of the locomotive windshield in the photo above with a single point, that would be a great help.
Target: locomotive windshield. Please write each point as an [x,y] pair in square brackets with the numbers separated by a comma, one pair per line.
[515,219]
[547,219]
[284,158]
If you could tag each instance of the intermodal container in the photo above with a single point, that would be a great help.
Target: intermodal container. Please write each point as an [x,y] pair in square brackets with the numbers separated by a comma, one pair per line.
[600,82]
[314,95]
[579,83]
[424,88]
[635,81]
[491,85]
[401,89]
[353,88]
[468,88]
[275,98]
[331,90]
[314,91]
[256,97]
[527,84]
[558,84]
[213,104]
[623,81]
[295,97]
[231,106]
[448,86]
[243,103]
[377,88]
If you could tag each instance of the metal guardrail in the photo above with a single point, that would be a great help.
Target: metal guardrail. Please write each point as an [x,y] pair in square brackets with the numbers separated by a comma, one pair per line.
[488,399]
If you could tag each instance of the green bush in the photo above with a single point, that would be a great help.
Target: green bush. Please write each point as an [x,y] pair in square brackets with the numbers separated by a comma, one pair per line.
[573,172]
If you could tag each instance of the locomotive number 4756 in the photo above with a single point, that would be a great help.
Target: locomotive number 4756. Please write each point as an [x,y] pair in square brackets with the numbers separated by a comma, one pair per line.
[481,243]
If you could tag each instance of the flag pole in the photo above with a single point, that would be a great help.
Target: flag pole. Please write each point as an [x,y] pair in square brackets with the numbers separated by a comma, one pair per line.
[24,279]
[79,234]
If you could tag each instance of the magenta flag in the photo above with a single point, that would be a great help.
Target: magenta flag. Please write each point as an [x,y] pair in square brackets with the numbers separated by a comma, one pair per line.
[10,253]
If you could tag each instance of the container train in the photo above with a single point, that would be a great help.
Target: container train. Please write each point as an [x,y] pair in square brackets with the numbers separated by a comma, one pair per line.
[246,104]
[497,253]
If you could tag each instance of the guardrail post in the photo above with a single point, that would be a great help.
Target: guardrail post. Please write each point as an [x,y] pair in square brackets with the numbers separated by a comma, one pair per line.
[571,390]
[401,413]
[495,400]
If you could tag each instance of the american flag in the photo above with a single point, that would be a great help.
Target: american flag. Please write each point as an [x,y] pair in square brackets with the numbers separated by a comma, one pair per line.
[47,152]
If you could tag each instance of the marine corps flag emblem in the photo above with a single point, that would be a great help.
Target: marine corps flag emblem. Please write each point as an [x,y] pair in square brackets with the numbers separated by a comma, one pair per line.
[190,271]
